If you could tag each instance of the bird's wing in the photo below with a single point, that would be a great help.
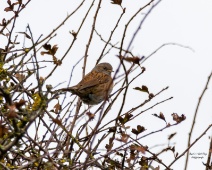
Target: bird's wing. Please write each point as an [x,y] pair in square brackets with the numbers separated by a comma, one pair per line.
[93,79]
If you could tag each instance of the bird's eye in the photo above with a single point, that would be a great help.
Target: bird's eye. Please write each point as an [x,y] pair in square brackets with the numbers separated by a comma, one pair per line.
[105,68]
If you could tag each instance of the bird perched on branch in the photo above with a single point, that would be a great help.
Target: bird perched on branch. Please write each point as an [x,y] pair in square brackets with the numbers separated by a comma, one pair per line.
[96,86]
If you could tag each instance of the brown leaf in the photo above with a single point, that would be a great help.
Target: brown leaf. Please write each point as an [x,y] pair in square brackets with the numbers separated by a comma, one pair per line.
[112,129]
[121,120]
[135,60]
[90,115]
[142,89]
[41,79]
[173,149]
[118,2]
[16,3]
[139,130]
[127,117]
[3,130]
[74,34]
[134,131]
[168,124]
[171,136]
[141,149]
[54,49]
[57,108]
[110,145]
[47,46]
[160,116]
[157,168]
[3,23]
[7,9]
[143,161]
[20,77]
[12,111]
[51,51]
[44,52]
[178,118]
[151,95]
[11,6]
[56,61]
[138,148]
[20,103]
[124,137]
[9,2]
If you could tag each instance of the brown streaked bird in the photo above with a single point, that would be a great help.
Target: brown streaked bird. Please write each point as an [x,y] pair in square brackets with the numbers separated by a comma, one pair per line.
[96,86]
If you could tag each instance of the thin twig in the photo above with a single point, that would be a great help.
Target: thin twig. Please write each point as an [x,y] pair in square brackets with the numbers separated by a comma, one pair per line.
[194,119]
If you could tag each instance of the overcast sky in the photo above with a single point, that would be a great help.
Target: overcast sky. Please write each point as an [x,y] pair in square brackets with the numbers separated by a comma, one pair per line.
[184,70]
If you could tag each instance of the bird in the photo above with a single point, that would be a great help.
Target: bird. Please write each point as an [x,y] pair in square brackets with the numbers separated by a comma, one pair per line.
[95,86]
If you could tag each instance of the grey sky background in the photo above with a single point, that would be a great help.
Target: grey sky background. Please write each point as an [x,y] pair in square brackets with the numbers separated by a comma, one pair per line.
[184,70]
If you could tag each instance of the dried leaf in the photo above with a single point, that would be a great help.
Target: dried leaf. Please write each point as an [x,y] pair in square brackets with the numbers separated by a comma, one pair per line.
[139,130]
[20,103]
[50,51]
[173,149]
[160,116]
[57,108]
[143,161]
[127,117]
[3,130]
[178,118]
[118,2]
[135,60]
[110,145]
[12,111]
[151,95]
[157,168]
[44,52]
[124,138]
[138,148]
[47,46]
[7,9]
[134,131]
[142,89]
[171,136]
[74,34]
[9,2]
[3,23]
[168,124]
[112,129]
[121,120]
[90,115]
[54,49]
[11,6]
[20,77]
